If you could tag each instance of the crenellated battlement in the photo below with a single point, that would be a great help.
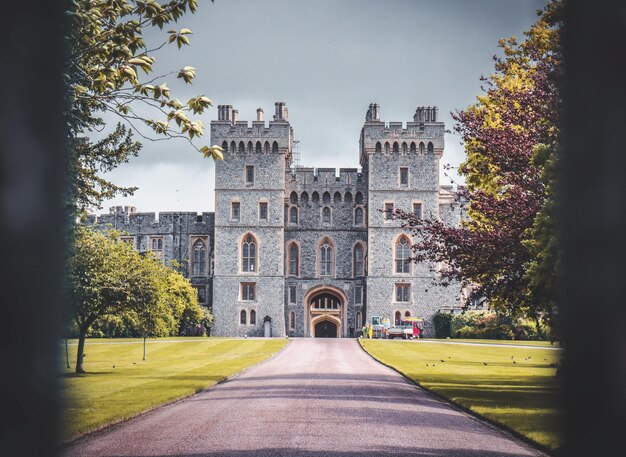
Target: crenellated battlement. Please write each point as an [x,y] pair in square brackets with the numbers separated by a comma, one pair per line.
[323,177]
[422,136]
[119,217]
[255,137]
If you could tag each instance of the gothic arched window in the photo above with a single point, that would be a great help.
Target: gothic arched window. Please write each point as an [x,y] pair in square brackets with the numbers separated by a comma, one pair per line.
[233,147]
[275,147]
[403,148]
[358,260]
[358,199]
[358,216]
[252,317]
[199,258]
[292,320]
[398,317]
[326,198]
[412,149]
[326,215]
[294,259]
[293,215]
[378,147]
[422,148]
[225,146]
[248,254]
[395,147]
[403,252]
[326,258]
[243,317]
[386,148]
[431,148]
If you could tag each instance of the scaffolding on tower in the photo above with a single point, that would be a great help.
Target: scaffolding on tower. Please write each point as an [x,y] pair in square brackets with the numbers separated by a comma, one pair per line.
[295,154]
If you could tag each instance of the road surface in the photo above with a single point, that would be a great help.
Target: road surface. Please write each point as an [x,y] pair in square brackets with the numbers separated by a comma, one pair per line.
[316,398]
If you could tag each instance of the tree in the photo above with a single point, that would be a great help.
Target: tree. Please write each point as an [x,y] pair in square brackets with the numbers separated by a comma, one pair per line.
[107,277]
[106,52]
[507,249]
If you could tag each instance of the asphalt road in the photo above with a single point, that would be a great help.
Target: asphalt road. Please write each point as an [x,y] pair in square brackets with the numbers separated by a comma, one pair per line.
[317,398]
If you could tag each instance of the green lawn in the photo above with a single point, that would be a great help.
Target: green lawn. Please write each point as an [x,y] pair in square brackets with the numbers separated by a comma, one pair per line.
[505,342]
[522,396]
[120,385]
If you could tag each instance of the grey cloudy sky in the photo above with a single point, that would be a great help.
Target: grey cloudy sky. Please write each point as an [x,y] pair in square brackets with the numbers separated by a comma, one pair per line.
[327,59]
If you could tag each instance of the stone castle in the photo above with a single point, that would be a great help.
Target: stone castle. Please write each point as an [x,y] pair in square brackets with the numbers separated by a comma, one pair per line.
[301,251]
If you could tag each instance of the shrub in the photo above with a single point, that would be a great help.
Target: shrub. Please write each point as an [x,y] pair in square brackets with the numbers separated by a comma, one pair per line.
[442,321]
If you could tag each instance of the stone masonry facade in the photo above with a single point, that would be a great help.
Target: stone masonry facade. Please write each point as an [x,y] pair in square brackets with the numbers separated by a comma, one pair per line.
[301,251]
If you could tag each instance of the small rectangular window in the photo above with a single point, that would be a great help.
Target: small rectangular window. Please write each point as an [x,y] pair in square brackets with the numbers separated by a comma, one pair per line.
[201,294]
[388,211]
[249,174]
[263,211]
[404,176]
[234,214]
[358,295]
[417,210]
[402,293]
[292,295]
[248,291]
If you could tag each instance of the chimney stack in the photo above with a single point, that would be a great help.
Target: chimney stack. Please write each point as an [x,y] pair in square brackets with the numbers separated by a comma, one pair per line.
[235,116]
[260,115]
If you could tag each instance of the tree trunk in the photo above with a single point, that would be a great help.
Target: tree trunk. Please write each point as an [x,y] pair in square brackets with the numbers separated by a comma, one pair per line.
[81,351]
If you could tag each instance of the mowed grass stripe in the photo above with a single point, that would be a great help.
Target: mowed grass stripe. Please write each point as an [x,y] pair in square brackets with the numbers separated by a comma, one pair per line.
[107,395]
[523,396]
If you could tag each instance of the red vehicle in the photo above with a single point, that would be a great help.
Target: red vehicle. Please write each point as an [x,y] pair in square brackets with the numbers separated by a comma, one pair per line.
[410,327]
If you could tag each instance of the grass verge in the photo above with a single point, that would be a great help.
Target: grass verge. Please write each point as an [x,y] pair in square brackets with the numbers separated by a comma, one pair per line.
[512,386]
[119,385]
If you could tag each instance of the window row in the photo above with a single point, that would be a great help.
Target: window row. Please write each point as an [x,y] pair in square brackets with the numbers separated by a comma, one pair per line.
[198,261]
[315,198]
[389,211]
[250,147]
[247,317]
[326,215]
[395,147]
[235,211]
[326,259]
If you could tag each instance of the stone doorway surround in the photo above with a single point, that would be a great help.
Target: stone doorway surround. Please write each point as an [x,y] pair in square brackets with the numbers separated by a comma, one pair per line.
[336,316]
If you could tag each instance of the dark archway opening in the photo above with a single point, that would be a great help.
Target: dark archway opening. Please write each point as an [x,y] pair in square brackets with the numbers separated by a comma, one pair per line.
[325,329]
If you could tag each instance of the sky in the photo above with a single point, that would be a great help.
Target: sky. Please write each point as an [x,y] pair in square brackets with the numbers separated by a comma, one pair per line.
[327,60]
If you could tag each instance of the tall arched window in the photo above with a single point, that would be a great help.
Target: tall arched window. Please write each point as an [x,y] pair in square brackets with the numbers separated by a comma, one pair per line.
[422,148]
[250,147]
[431,148]
[267,147]
[359,320]
[398,317]
[378,147]
[233,147]
[304,198]
[326,258]
[347,198]
[225,146]
[326,198]
[386,148]
[293,198]
[326,215]
[248,254]
[403,249]
[243,317]
[412,146]
[275,147]
[337,198]
[294,259]
[403,148]
[358,198]
[258,151]
[358,260]
[315,198]
[358,216]
[293,215]
[292,320]
[395,147]
[199,258]
[252,317]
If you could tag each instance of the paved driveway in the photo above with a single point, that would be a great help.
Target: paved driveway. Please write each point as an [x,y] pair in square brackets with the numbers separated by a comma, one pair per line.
[317,398]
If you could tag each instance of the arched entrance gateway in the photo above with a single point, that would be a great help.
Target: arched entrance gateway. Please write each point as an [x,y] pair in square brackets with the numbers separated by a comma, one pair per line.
[325,312]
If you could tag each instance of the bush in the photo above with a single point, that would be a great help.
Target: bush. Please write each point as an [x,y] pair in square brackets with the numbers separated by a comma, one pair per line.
[489,325]
[442,321]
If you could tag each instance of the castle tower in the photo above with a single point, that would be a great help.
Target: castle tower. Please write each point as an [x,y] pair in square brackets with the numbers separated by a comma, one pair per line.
[249,229]
[402,164]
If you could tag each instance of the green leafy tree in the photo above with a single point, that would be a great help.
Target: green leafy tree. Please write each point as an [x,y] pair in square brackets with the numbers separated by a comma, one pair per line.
[108,278]
[106,56]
